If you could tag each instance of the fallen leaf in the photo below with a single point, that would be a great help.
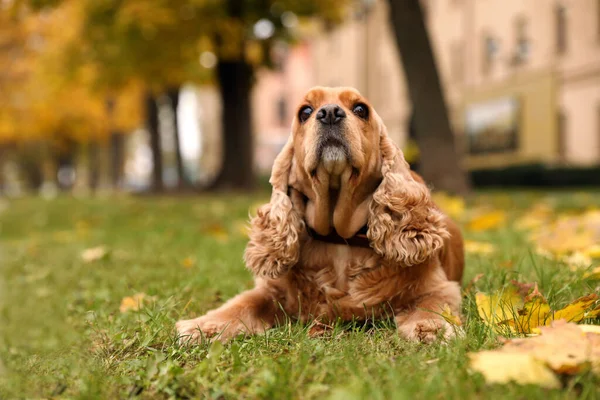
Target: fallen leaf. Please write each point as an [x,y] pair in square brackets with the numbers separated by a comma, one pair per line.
[474,247]
[94,254]
[454,206]
[487,221]
[498,308]
[132,303]
[562,348]
[522,308]
[534,312]
[594,274]
[577,260]
[450,317]
[242,228]
[577,310]
[524,369]
[188,262]
[592,251]
[217,231]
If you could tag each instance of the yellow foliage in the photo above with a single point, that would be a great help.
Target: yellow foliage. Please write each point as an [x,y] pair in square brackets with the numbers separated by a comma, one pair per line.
[560,349]
[474,247]
[454,206]
[133,303]
[513,311]
[487,221]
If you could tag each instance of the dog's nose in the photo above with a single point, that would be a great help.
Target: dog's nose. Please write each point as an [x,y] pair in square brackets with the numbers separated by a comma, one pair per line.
[330,114]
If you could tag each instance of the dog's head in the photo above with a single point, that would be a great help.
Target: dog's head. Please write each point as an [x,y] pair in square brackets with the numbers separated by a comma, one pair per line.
[340,171]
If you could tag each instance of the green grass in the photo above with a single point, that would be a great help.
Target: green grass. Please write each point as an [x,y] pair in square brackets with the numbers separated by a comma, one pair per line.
[62,334]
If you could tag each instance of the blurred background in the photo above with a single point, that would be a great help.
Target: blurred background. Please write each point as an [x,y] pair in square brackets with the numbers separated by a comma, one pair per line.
[196,95]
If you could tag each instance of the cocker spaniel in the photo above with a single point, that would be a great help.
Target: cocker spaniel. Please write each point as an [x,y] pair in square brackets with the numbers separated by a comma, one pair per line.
[350,232]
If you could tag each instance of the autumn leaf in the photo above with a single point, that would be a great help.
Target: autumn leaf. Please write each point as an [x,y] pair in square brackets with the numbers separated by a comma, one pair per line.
[522,308]
[502,368]
[487,221]
[241,228]
[560,349]
[534,312]
[594,274]
[538,216]
[132,303]
[577,310]
[474,247]
[454,206]
[450,317]
[188,262]
[94,254]
[498,308]
[592,251]
[217,231]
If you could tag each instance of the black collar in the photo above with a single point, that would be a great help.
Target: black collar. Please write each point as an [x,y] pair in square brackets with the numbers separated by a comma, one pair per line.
[358,240]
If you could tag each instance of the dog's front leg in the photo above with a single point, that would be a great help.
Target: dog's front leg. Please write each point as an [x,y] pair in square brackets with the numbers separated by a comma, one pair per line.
[250,312]
[423,322]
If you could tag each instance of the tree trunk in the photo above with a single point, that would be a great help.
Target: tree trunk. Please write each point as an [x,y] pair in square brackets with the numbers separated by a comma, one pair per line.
[117,155]
[93,166]
[155,144]
[237,170]
[439,159]
[183,181]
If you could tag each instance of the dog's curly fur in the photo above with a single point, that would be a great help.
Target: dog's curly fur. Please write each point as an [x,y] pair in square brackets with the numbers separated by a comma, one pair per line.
[410,271]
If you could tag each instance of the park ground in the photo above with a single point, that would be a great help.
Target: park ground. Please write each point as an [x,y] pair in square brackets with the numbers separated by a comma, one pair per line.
[91,288]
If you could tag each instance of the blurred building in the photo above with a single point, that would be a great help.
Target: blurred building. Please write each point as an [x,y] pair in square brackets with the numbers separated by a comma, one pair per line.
[522,78]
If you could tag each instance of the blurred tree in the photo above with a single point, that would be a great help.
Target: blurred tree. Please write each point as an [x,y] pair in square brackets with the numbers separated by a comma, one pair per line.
[42,98]
[439,161]
[159,43]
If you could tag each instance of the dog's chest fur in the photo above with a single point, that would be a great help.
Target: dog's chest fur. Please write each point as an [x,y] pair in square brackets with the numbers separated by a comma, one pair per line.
[343,281]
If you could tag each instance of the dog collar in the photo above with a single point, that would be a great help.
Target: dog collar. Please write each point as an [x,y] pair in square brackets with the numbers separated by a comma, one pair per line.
[360,239]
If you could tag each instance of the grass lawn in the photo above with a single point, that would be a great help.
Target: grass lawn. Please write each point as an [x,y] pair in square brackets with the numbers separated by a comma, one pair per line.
[62,333]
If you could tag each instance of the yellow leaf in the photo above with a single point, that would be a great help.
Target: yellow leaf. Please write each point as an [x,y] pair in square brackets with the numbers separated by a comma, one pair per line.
[576,311]
[534,218]
[592,251]
[94,254]
[524,369]
[241,228]
[498,308]
[218,232]
[594,274]
[132,303]
[534,312]
[474,247]
[563,348]
[577,260]
[188,262]
[450,317]
[454,206]
[488,221]
[595,329]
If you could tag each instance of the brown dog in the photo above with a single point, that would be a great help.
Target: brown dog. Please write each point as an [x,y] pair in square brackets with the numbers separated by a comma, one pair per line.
[350,233]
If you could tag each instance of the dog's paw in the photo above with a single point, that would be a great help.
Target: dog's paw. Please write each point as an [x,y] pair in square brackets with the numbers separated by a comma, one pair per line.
[196,330]
[428,330]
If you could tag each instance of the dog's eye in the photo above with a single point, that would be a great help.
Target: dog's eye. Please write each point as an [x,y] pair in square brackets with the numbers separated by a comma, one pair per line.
[361,110]
[305,113]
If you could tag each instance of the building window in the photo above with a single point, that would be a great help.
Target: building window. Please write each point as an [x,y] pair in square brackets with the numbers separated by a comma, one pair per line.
[561,28]
[490,50]
[523,47]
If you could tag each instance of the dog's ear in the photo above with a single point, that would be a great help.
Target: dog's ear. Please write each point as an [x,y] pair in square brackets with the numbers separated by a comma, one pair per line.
[405,227]
[277,228]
